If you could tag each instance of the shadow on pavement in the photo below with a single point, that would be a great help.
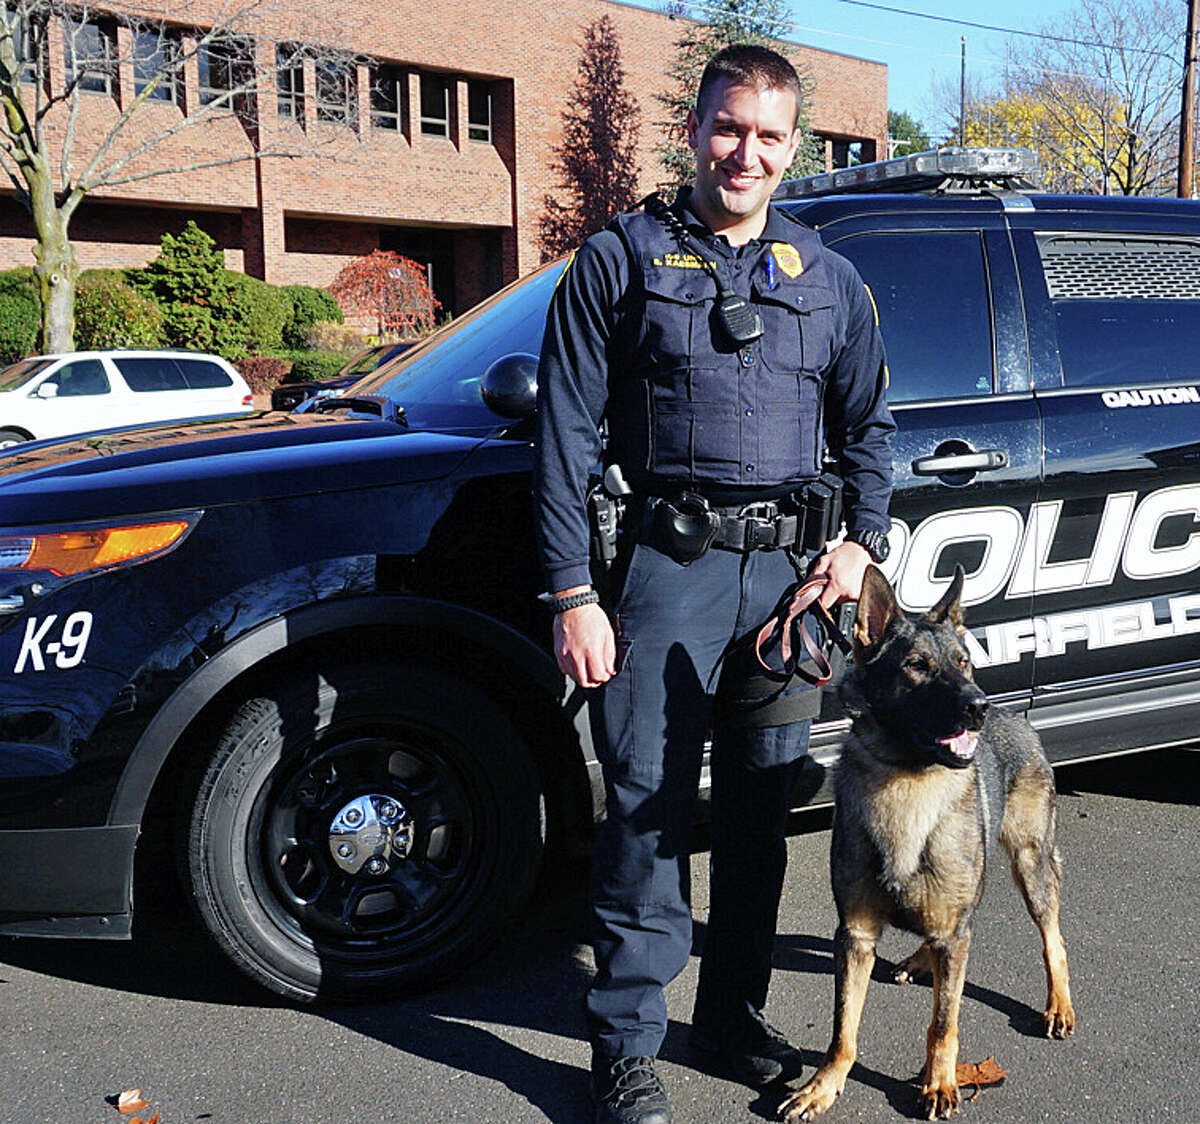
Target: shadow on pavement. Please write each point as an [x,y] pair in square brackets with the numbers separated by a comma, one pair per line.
[1166,776]
[533,979]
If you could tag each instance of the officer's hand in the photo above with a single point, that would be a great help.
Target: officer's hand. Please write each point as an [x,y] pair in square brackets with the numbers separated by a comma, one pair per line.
[845,564]
[584,645]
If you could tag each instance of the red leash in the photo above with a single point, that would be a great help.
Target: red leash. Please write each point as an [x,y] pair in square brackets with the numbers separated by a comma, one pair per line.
[796,601]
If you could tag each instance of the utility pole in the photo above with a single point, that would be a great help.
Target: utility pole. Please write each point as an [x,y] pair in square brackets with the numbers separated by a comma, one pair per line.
[1187,113]
[962,88]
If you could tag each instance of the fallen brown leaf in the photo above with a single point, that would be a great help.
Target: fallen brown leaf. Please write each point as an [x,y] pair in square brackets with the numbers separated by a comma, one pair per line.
[131,1101]
[151,1120]
[986,1072]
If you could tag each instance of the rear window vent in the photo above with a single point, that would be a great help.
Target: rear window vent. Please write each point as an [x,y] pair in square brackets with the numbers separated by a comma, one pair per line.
[1120,269]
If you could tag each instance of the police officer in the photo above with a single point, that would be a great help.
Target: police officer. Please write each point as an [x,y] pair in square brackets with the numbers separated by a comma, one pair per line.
[716,417]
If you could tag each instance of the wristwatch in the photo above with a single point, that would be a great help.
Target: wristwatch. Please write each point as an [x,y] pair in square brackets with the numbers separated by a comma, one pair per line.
[558,604]
[875,543]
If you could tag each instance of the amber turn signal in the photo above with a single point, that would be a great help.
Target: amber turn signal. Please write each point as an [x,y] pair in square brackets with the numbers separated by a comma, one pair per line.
[70,553]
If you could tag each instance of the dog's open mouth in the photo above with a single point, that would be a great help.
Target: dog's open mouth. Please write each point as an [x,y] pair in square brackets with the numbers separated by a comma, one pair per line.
[957,750]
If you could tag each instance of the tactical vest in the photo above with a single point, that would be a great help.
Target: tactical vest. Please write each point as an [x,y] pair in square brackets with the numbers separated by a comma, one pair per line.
[684,404]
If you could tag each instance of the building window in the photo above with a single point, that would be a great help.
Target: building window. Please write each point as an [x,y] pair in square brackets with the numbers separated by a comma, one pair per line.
[29,42]
[389,95]
[226,72]
[337,92]
[479,111]
[157,54]
[90,55]
[435,105]
[289,81]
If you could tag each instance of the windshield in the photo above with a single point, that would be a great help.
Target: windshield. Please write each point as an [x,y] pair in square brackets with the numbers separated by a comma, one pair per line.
[437,381]
[20,373]
[366,361]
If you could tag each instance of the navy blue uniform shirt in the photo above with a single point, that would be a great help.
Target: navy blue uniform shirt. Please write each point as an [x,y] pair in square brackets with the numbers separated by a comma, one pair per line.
[593,316]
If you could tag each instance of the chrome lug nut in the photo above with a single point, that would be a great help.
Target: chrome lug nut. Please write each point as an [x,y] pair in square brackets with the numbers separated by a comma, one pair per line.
[345,850]
[376,866]
[353,816]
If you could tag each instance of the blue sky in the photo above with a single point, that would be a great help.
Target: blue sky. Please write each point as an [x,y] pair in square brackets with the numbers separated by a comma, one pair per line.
[917,51]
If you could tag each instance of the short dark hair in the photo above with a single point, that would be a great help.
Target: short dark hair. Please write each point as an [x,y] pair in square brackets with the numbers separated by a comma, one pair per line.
[746,65]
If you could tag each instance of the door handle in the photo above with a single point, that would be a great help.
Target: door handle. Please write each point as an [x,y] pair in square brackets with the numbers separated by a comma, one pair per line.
[986,460]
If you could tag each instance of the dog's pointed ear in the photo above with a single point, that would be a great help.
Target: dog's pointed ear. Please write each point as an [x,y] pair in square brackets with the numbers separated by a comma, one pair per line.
[877,608]
[948,608]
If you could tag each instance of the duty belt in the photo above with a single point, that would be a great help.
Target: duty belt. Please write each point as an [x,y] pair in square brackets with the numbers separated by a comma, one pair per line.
[756,526]
[687,525]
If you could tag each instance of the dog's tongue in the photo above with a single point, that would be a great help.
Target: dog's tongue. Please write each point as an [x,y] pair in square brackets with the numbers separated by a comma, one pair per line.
[961,744]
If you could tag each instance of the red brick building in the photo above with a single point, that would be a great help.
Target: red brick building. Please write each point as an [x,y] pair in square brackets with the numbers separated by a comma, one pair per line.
[434,137]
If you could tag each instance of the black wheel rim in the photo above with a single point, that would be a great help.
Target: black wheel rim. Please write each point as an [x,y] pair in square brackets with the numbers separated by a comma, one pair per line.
[417,907]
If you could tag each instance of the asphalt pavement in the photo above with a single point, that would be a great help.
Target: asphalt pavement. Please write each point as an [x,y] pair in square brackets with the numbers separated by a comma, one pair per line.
[83,1021]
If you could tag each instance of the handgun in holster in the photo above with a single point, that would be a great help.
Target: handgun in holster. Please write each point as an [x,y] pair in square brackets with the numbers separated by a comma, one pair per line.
[605,506]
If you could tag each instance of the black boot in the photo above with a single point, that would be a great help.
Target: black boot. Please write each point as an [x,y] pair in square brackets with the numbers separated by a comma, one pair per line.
[757,1055]
[628,1091]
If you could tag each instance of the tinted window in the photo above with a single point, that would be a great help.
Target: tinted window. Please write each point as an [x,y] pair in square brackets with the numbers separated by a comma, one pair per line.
[81,379]
[1127,309]
[930,289]
[201,374]
[145,375]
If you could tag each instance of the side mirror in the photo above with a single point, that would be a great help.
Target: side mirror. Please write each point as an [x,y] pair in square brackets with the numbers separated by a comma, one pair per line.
[47,390]
[509,386]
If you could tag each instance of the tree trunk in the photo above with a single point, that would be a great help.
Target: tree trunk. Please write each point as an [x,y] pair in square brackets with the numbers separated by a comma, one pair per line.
[56,272]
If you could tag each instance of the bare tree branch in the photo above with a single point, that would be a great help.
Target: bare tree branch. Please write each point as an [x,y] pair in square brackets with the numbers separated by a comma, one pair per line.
[122,62]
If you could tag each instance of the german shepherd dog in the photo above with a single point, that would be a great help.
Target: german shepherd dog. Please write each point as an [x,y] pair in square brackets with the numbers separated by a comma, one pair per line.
[930,776]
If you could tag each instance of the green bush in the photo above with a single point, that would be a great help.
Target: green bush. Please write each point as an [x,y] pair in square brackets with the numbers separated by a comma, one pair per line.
[20,315]
[308,306]
[316,365]
[91,277]
[201,308]
[110,314]
[269,310]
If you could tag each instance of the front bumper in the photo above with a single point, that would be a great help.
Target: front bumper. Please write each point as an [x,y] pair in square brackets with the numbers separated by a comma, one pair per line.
[67,882]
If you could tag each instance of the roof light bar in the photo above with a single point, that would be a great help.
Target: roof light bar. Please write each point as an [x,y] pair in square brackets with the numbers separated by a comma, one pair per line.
[939,168]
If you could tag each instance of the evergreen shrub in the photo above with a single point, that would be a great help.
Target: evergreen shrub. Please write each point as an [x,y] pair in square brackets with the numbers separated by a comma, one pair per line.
[20,315]
[308,306]
[109,313]
[269,310]
[317,365]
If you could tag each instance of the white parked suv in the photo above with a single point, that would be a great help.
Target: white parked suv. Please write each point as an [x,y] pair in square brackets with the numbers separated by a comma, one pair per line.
[85,391]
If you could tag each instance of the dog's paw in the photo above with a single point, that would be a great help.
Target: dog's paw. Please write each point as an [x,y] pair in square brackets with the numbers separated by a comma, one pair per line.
[939,1102]
[1059,1019]
[913,967]
[809,1102]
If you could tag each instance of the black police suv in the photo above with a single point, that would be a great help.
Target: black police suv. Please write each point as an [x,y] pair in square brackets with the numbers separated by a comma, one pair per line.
[301,655]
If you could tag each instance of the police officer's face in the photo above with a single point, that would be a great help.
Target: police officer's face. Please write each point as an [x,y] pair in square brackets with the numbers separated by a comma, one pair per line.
[744,142]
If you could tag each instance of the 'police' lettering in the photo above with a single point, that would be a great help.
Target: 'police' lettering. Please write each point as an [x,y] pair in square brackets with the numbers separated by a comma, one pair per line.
[1016,551]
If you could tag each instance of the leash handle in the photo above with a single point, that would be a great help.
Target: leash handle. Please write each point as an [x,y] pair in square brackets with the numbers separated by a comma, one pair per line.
[792,609]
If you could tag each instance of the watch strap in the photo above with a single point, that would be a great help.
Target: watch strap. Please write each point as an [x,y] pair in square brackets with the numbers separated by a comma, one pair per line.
[875,543]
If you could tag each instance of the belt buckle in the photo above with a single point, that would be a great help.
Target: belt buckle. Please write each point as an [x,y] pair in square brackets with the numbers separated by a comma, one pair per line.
[762,523]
